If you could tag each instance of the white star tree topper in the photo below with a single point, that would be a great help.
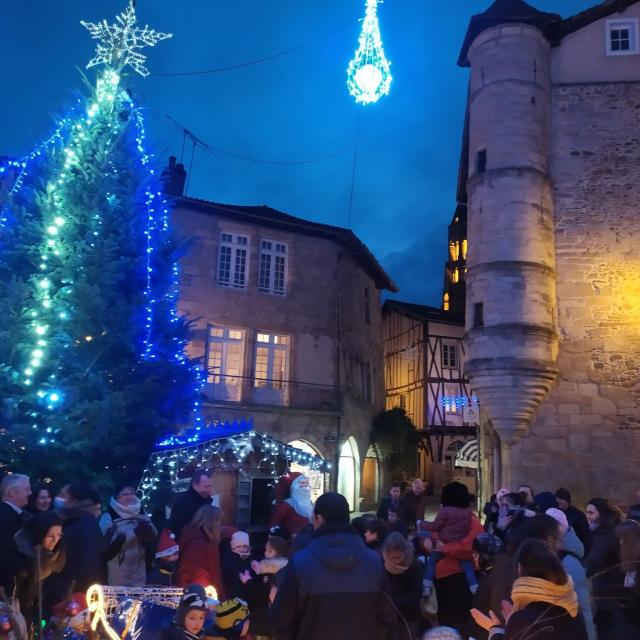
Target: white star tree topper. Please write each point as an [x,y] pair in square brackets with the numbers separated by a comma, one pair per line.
[120,43]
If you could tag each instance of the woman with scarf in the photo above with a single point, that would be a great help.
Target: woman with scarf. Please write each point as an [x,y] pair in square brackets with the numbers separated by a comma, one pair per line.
[405,580]
[125,516]
[37,555]
[545,604]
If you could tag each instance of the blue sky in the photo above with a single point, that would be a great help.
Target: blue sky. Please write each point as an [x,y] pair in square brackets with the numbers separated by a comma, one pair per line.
[290,108]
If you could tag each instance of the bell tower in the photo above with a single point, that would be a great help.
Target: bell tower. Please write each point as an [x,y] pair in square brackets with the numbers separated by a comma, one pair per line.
[511,331]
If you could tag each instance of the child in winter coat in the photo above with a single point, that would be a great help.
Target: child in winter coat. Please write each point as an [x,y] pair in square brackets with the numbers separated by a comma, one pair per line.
[236,566]
[166,560]
[190,616]
[452,524]
[261,583]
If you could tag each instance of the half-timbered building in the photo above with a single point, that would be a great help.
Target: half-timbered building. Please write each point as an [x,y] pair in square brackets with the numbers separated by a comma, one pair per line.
[423,366]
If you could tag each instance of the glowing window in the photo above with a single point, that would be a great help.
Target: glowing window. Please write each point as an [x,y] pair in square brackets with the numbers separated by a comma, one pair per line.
[464,249]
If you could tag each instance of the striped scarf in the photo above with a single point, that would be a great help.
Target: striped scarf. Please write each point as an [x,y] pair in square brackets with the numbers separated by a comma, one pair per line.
[527,590]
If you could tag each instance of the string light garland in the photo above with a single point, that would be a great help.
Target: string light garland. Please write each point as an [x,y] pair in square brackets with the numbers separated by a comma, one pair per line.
[369,72]
[459,402]
[231,442]
[120,44]
[95,127]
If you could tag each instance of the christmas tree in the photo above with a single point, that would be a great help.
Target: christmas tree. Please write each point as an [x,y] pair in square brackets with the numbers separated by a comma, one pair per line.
[92,363]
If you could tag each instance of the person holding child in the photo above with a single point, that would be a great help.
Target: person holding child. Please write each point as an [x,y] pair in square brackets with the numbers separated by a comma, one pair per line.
[452,524]
[451,585]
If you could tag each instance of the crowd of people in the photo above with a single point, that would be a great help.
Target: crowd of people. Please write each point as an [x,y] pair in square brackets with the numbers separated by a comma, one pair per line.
[535,566]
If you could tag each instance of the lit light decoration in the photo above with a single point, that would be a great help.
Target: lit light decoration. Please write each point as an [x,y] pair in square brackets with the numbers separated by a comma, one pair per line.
[202,444]
[369,72]
[459,402]
[121,606]
[100,120]
[120,43]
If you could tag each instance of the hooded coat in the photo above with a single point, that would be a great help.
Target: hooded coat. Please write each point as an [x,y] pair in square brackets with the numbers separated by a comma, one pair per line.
[199,561]
[571,555]
[87,553]
[335,588]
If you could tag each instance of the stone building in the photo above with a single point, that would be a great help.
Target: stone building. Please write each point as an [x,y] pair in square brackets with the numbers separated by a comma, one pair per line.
[424,359]
[551,161]
[287,320]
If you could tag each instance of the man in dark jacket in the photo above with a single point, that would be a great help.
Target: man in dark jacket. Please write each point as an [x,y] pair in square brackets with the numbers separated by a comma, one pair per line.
[391,502]
[196,496]
[335,588]
[413,504]
[576,519]
[15,490]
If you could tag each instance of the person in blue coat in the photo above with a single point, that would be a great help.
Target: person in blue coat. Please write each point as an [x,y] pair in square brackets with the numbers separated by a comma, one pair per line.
[334,588]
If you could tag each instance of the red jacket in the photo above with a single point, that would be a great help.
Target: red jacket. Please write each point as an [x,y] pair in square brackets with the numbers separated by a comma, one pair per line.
[456,551]
[284,515]
[199,561]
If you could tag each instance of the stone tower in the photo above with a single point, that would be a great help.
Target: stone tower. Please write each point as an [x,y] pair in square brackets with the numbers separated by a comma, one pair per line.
[512,338]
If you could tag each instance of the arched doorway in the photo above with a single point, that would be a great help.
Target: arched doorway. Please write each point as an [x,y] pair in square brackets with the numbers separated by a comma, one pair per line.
[349,473]
[371,478]
[316,478]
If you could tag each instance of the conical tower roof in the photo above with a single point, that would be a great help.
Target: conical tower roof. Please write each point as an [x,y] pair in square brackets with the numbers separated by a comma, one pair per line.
[505,12]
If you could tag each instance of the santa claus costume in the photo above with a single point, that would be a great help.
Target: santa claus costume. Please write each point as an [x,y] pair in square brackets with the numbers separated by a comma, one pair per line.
[294,509]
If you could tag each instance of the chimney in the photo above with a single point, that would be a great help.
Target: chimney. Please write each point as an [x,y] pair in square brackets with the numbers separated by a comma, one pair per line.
[173,178]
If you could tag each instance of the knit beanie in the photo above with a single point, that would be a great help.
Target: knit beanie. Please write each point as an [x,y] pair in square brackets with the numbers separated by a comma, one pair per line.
[560,518]
[231,616]
[239,539]
[488,545]
[193,597]
[545,500]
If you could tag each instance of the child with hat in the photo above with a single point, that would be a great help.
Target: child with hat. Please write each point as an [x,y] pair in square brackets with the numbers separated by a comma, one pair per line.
[166,561]
[232,620]
[190,616]
[236,566]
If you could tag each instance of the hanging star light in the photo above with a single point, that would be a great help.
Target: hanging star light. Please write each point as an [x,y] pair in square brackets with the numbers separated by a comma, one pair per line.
[369,73]
[120,43]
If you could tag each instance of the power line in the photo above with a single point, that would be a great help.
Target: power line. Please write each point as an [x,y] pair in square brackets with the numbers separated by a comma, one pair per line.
[249,63]
[169,121]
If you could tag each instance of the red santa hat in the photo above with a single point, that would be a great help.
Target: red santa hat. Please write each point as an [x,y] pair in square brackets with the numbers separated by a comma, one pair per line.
[167,545]
[283,490]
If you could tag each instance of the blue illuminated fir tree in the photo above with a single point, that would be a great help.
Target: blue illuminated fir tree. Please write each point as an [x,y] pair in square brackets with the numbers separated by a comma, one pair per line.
[92,361]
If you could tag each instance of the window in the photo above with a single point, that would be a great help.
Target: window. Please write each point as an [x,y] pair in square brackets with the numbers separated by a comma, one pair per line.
[449,355]
[225,362]
[622,37]
[455,275]
[273,267]
[464,249]
[403,401]
[481,161]
[451,399]
[478,315]
[232,261]
[454,251]
[367,306]
[271,369]
[445,302]
[367,382]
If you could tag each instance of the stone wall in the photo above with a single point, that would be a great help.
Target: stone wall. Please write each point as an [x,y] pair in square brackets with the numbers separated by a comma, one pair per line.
[324,283]
[586,435]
